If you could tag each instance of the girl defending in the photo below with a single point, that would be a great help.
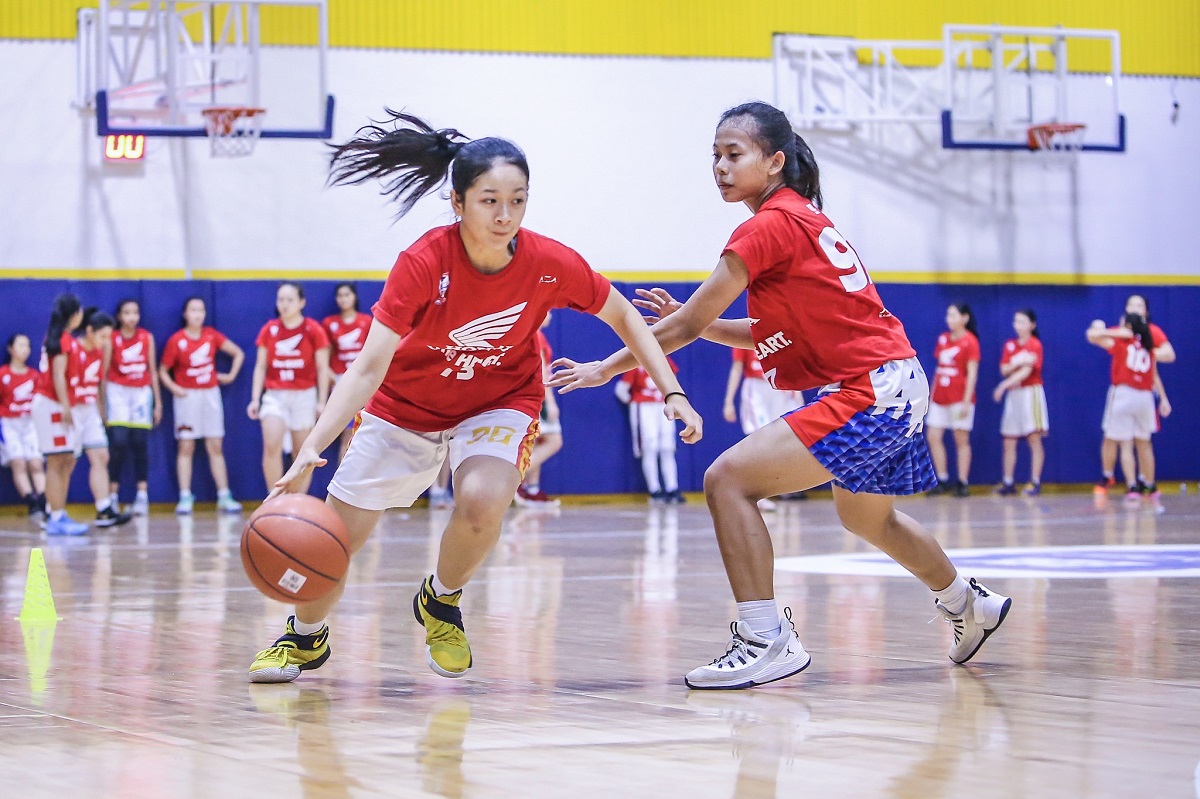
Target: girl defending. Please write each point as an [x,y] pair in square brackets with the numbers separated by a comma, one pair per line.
[863,429]
[450,363]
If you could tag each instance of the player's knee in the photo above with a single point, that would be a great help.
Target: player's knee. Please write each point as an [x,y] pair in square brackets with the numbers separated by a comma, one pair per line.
[214,447]
[722,479]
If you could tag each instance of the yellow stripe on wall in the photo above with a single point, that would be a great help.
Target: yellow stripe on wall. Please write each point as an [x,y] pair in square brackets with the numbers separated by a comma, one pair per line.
[1160,38]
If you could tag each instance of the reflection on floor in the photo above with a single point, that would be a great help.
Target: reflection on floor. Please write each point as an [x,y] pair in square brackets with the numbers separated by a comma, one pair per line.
[583,622]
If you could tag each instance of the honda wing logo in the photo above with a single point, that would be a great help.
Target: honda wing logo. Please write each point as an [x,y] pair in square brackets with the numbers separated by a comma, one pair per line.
[23,392]
[476,336]
[132,352]
[349,340]
[289,346]
[91,375]
[202,355]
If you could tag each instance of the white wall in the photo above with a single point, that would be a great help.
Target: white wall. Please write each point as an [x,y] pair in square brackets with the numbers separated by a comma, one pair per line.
[619,151]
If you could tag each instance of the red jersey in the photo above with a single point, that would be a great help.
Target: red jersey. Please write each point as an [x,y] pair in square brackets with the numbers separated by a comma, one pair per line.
[71,348]
[751,365]
[16,391]
[1132,364]
[1157,336]
[130,365]
[1032,346]
[347,339]
[641,385]
[469,342]
[815,315]
[292,353]
[950,376]
[193,362]
[86,376]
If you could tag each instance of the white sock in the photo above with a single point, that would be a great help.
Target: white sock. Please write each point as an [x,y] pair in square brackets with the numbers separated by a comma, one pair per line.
[670,471]
[143,495]
[224,493]
[650,471]
[944,477]
[103,505]
[55,515]
[302,628]
[440,589]
[185,494]
[762,615]
[954,596]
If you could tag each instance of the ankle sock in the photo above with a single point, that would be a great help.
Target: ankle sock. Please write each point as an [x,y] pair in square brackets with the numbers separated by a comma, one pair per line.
[440,589]
[302,628]
[954,596]
[56,515]
[762,616]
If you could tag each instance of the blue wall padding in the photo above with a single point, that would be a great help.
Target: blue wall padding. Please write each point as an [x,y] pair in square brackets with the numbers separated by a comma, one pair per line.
[597,455]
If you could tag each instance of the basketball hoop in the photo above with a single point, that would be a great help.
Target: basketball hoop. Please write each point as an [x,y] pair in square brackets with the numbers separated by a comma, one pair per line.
[1057,137]
[232,130]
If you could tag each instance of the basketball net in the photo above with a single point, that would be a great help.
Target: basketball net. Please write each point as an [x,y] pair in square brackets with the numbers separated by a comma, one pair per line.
[1057,141]
[232,130]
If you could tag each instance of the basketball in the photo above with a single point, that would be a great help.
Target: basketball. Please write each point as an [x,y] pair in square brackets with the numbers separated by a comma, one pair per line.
[295,548]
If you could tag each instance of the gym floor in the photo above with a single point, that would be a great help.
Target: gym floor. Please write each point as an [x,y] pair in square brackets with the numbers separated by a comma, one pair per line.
[582,623]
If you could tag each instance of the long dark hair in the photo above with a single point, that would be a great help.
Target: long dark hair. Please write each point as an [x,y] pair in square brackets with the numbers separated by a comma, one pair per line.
[96,319]
[353,290]
[8,347]
[1141,330]
[1145,302]
[183,310]
[965,309]
[1032,316]
[65,306]
[299,293]
[412,159]
[773,134]
[121,306]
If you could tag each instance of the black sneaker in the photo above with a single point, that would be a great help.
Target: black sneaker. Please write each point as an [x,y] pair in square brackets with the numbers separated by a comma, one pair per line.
[675,497]
[658,497]
[962,490]
[109,517]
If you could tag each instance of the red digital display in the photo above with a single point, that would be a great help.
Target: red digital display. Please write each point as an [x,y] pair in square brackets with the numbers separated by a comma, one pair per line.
[124,147]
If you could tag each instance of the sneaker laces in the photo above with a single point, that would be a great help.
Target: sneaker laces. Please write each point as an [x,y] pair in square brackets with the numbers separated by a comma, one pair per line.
[738,650]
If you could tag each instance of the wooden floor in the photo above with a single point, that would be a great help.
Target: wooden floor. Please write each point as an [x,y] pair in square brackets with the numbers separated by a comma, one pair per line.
[582,624]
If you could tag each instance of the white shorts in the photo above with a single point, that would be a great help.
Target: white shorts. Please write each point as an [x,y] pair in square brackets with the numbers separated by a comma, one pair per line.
[296,407]
[130,407]
[20,440]
[1129,414]
[946,417]
[761,404]
[54,438]
[389,467]
[1025,412]
[652,431]
[199,414]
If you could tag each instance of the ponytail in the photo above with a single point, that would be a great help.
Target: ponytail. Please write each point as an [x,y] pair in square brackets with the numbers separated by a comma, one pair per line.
[65,306]
[773,133]
[412,159]
[1141,330]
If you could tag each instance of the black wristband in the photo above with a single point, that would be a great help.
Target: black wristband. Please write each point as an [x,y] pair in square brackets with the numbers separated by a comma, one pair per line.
[674,394]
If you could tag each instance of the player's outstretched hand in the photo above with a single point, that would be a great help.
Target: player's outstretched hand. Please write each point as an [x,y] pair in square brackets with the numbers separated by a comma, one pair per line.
[571,375]
[679,409]
[658,302]
[305,461]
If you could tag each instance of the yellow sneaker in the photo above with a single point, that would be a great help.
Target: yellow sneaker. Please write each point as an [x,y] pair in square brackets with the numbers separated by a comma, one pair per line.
[446,647]
[291,654]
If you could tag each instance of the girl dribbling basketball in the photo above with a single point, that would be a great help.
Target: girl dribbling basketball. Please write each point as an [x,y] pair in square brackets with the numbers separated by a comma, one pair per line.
[450,365]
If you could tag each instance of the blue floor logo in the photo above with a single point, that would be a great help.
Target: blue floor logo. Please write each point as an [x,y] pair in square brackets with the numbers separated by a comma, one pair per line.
[1072,562]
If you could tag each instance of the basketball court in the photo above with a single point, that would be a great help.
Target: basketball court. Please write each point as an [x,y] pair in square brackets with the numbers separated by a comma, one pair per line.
[583,623]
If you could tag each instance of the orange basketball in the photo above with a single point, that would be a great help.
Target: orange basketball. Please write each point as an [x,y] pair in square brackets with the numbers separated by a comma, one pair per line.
[295,548]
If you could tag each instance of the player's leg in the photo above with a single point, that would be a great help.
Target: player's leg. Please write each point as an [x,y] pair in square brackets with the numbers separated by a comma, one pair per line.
[667,465]
[1145,456]
[1008,466]
[185,453]
[92,437]
[214,446]
[297,438]
[1037,460]
[936,438]
[962,446]
[274,428]
[118,451]
[1129,468]
[139,447]
[483,487]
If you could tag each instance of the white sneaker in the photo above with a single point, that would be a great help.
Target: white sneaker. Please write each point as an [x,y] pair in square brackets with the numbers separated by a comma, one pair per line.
[185,505]
[984,613]
[752,659]
[141,506]
[227,504]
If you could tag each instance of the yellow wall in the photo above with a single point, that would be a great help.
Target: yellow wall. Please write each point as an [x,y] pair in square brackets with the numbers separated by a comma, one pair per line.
[1159,38]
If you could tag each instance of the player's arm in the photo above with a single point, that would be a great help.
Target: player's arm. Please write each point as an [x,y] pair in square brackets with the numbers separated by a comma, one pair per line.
[1164,353]
[151,361]
[324,377]
[237,356]
[731,386]
[257,382]
[361,379]
[1164,404]
[730,332]
[1012,381]
[619,314]
[58,371]
[972,380]
[164,377]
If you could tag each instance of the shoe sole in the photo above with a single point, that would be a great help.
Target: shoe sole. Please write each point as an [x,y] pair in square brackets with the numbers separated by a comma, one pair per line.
[748,683]
[987,633]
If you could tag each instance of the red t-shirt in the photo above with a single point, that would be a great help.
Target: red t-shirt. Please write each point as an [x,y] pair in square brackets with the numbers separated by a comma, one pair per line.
[70,347]
[193,362]
[292,353]
[130,365]
[86,376]
[1157,336]
[347,339]
[950,376]
[469,342]
[815,315]
[1034,346]
[751,366]
[641,385]
[1132,365]
[16,391]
